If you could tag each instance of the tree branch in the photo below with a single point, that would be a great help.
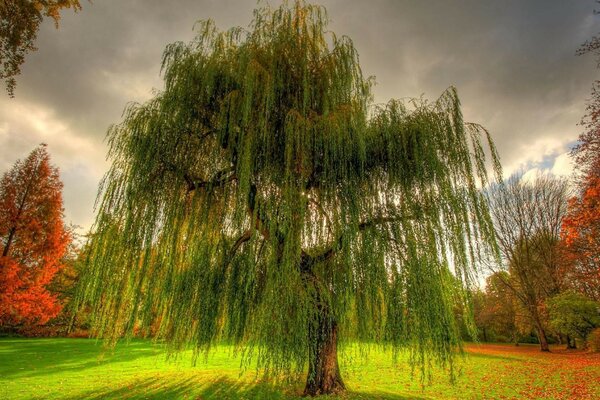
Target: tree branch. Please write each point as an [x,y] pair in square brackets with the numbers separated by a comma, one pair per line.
[337,245]
[219,179]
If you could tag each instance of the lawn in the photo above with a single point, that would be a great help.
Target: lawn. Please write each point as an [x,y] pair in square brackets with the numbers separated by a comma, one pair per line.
[80,369]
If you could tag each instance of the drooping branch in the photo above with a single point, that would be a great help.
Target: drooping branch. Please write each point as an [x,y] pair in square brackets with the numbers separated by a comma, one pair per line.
[246,236]
[258,120]
[323,212]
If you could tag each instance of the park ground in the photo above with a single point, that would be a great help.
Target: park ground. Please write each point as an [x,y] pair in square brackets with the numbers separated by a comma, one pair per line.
[81,369]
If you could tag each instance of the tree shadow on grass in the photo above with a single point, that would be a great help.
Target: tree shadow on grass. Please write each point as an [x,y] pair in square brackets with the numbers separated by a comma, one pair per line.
[37,357]
[222,388]
[492,356]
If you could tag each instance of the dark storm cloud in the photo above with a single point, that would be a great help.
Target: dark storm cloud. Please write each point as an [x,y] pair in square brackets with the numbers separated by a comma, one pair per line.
[512,61]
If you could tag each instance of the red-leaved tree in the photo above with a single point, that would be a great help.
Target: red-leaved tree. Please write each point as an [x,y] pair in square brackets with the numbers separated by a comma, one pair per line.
[33,240]
[581,226]
[587,152]
[581,238]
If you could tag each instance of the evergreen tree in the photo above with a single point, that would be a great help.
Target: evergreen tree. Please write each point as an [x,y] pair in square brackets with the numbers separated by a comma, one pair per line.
[262,199]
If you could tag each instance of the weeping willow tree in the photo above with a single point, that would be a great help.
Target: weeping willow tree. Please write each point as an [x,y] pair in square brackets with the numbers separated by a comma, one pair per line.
[261,199]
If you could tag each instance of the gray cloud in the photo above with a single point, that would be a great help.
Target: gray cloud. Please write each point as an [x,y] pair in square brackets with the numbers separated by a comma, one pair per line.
[512,61]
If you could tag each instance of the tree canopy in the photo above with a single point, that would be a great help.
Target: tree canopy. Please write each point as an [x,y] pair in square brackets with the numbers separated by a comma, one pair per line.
[581,240]
[574,314]
[19,24]
[581,227]
[262,198]
[33,240]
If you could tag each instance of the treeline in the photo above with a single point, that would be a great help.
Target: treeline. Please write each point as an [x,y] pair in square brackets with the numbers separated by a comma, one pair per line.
[545,283]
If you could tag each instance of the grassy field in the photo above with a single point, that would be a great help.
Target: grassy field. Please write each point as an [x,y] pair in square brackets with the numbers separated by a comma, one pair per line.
[80,369]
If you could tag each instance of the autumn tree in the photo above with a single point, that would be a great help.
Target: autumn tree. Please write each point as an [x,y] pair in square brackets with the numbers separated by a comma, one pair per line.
[587,151]
[527,218]
[581,240]
[496,310]
[581,228]
[262,199]
[33,240]
[19,24]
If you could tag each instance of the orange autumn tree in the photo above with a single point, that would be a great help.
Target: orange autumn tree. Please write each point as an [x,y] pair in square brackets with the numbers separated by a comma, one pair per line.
[581,227]
[581,237]
[33,240]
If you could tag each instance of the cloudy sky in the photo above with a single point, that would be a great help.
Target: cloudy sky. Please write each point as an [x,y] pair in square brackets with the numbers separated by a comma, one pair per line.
[513,62]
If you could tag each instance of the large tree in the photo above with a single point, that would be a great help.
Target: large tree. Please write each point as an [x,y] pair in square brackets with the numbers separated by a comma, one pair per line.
[262,199]
[19,24]
[581,240]
[581,228]
[527,217]
[587,151]
[33,238]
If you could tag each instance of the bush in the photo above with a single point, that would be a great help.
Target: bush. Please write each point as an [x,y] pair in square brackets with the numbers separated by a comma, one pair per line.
[593,340]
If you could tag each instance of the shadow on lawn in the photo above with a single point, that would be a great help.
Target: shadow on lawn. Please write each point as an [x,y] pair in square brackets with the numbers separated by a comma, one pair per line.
[48,356]
[222,388]
[492,356]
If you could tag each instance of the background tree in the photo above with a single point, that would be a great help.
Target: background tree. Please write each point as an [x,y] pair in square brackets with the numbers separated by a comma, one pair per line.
[496,311]
[34,240]
[587,152]
[19,24]
[253,200]
[581,227]
[574,315]
[581,241]
[527,218]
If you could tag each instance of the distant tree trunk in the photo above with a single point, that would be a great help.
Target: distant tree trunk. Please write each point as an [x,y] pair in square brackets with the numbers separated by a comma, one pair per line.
[541,333]
[484,331]
[515,338]
[571,344]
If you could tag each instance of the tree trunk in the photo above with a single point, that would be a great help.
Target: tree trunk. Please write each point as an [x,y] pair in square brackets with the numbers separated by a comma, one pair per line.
[541,336]
[571,343]
[323,370]
[8,241]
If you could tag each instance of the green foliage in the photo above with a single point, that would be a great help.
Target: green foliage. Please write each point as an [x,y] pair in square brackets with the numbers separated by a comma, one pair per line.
[262,187]
[19,24]
[573,314]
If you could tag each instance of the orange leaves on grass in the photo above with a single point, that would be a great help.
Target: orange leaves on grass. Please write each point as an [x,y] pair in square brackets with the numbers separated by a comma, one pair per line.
[532,374]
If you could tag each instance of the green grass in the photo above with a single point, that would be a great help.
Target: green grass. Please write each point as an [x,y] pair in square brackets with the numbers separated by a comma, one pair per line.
[80,369]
